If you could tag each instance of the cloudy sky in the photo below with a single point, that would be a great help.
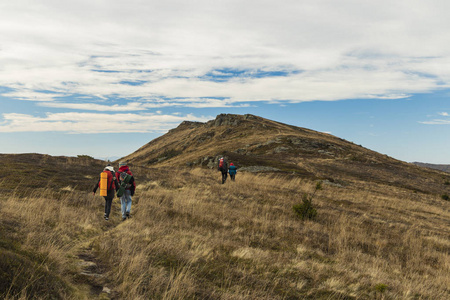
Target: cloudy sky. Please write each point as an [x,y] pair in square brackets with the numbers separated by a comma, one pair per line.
[103,78]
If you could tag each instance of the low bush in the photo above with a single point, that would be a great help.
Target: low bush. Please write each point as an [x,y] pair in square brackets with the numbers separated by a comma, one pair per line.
[306,210]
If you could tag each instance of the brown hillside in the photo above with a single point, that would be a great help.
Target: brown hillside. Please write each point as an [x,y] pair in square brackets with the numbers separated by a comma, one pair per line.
[254,143]
[23,173]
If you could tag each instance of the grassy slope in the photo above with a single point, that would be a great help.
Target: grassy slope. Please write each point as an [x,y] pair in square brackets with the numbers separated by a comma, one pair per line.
[191,237]
[38,193]
[381,232]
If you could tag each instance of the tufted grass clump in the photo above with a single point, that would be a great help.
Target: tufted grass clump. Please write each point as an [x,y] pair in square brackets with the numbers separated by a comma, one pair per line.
[306,210]
[381,287]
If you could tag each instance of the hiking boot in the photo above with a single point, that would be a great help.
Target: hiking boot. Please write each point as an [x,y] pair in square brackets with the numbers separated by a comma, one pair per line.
[127,215]
[106,219]
[124,218]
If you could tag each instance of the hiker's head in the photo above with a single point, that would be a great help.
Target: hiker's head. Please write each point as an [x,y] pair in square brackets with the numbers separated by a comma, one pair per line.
[109,168]
[231,164]
[122,163]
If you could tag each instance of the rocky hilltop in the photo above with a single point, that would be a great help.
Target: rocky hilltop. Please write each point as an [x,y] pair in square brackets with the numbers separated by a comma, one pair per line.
[257,144]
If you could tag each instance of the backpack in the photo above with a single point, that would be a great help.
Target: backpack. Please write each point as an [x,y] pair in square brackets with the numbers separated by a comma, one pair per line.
[221,163]
[104,185]
[124,184]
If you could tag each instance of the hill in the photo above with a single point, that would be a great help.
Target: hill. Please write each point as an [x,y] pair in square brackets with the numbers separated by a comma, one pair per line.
[444,168]
[22,173]
[381,231]
[255,143]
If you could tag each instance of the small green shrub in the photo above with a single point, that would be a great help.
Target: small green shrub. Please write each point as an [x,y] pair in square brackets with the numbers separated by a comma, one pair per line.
[445,197]
[306,210]
[381,287]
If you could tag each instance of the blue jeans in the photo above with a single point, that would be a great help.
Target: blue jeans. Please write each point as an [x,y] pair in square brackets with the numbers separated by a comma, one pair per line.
[125,200]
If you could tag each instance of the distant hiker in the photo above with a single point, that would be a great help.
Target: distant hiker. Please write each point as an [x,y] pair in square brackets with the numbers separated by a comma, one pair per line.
[126,189]
[223,167]
[232,170]
[108,185]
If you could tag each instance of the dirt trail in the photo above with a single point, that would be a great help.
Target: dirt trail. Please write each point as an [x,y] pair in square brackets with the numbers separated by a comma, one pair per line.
[93,272]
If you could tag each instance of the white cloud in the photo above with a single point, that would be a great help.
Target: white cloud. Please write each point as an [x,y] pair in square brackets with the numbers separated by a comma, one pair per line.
[93,122]
[29,95]
[141,106]
[436,122]
[134,106]
[154,51]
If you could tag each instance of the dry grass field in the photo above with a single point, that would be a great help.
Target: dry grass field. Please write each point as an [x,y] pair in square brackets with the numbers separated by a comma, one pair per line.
[382,229]
[191,237]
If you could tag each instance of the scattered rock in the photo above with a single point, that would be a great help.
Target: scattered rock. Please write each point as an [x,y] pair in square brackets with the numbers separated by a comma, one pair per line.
[269,142]
[240,151]
[212,163]
[87,264]
[227,120]
[327,182]
[325,152]
[94,275]
[190,124]
[250,117]
[280,149]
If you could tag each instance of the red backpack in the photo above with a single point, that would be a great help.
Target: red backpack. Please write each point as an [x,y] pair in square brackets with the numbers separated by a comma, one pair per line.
[221,163]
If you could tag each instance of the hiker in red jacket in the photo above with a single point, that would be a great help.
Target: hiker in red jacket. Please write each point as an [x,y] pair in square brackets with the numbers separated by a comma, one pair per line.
[112,185]
[125,199]
[223,167]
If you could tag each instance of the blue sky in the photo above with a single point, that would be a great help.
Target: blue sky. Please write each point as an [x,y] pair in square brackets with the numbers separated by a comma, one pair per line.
[103,78]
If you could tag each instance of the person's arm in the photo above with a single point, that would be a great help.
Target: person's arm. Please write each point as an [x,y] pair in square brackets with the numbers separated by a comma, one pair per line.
[116,184]
[96,187]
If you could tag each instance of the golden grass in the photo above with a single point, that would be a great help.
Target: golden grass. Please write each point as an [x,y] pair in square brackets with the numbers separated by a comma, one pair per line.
[191,237]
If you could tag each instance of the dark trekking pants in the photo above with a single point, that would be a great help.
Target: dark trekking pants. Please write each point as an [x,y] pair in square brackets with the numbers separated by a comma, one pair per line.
[108,202]
[224,176]
[232,176]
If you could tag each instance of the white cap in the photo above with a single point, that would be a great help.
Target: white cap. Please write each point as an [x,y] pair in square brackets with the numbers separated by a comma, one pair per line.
[109,168]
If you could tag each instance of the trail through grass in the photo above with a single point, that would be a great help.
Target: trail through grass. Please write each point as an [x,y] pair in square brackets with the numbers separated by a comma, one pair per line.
[191,237]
